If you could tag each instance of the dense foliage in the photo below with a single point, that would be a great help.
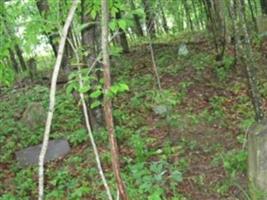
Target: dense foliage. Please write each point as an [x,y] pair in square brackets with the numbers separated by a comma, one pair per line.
[188,80]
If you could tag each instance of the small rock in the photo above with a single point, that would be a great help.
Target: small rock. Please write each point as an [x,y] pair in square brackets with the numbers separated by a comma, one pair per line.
[161,110]
[183,51]
[30,156]
[34,115]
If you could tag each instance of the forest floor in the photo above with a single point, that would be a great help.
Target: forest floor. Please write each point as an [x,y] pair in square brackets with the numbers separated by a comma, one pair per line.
[195,149]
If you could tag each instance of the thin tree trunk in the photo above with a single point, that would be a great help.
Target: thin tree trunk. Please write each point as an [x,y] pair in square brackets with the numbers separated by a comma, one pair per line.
[20,57]
[196,14]
[43,8]
[89,46]
[75,48]
[150,19]
[8,32]
[264,6]
[52,98]
[154,64]
[137,22]
[217,25]
[233,16]
[247,58]
[163,17]
[253,15]
[107,102]
[122,36]
[13,60]
[188,16]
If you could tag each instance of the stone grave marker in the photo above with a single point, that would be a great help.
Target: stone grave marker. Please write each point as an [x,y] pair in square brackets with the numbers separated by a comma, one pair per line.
[30,156]
[34,115]
[183,50]
[257,159]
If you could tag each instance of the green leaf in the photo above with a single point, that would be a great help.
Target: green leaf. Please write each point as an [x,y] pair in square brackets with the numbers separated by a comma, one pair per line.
[156,195]
[95,104]
[84,89]
[95,94]
[115,50]
[71,87]
[177,176]
[122,24]
[113,25]
[123,87]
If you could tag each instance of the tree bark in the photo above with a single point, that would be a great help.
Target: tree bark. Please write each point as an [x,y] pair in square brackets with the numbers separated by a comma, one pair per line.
[107,102]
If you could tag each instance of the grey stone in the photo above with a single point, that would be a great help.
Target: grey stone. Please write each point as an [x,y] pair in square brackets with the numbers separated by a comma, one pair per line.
[161,110]
[30,156]
[257,159]
[34,115]
[183,51]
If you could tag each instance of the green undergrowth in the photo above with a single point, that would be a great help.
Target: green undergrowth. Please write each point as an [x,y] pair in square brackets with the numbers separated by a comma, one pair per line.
[157,149]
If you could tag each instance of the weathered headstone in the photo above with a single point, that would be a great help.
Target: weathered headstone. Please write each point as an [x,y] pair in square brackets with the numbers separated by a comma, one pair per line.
[257,160]
[34,115]
[30,156]
[183,50]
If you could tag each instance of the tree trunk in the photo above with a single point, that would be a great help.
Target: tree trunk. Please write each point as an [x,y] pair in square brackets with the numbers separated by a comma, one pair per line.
[233,17]
[107,102]
[89,44]
[13,60]
[188,16]
[43,8]
[163,17]
[216,24]
[247,58]
[150,19]
[253,15]
[20,57]
[199,22]
[137,22]
[264,6]
[122,36]
[8,32]
[52,99]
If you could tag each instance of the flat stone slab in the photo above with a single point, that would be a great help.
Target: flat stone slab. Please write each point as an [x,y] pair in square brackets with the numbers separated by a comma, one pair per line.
[30,156]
